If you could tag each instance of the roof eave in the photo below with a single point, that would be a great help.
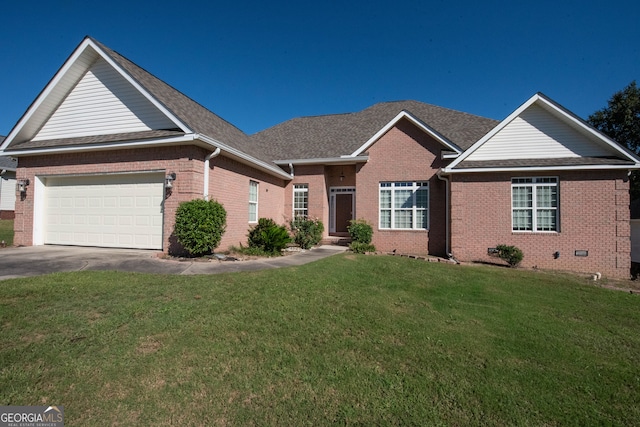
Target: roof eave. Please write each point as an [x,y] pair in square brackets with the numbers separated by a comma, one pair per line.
[342,160]
[142,143]
[450,171]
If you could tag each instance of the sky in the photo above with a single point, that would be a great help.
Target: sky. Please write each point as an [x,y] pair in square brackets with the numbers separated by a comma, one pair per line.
[257,64]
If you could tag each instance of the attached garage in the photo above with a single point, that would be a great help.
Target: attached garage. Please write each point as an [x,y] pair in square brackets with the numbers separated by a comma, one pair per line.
[116,210]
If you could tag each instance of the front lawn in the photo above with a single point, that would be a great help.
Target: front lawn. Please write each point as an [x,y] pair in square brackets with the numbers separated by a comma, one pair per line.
[351,339]
[6,231]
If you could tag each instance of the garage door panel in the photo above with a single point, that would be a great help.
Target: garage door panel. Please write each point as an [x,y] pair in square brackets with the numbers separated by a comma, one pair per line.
[108,210]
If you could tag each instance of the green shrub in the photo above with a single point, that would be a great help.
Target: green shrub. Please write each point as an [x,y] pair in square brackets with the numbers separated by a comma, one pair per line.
[361,248]
[511,254]
[360,231]
[200,225]
[306,232]
[268,236]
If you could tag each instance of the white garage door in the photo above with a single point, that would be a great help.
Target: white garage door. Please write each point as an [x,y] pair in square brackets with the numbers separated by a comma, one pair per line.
[118,211]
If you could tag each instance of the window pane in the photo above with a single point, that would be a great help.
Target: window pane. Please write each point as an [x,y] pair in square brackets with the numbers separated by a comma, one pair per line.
[422,198]
[522,197]
[403,199]
[421,219]
[253,201]
[300,200]
[385,219]
[385,199]
[546,220]
[547,196]
[522,219]
[253,191]
[403,219]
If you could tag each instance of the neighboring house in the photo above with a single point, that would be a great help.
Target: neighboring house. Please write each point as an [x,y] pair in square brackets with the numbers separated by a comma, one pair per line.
[635,236]
[109,151]
[8,167]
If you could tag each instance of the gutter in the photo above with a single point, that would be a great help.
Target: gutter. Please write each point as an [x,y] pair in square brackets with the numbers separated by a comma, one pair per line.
[448,212]
[323,161]
[541,168]
[260,164]
[205,192]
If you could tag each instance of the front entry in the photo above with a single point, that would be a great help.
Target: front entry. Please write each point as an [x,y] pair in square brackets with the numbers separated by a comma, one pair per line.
[344,202]
[342,209]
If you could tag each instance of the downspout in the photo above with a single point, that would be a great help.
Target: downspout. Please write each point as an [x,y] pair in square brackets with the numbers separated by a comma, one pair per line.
[291,169]
[206,172]
[448,213]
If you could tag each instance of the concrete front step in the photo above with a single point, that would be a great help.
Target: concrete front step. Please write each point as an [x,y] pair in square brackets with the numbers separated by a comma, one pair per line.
[336,240]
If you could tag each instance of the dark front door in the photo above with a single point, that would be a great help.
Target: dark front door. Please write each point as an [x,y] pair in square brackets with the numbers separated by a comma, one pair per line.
[344,211]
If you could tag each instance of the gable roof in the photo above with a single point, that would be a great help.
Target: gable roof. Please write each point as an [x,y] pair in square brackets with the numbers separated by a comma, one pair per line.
[543,135]
[188,116]
[339,135]
[480,144]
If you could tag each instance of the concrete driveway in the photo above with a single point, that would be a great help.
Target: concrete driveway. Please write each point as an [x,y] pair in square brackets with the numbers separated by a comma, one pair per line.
[38,260]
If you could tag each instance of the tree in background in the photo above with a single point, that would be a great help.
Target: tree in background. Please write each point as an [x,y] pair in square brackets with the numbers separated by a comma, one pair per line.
[620,120]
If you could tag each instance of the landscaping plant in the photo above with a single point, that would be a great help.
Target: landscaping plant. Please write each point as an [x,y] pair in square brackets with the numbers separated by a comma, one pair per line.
[361,233]
[200,225]
[511,254]
[268,236]
[306,232]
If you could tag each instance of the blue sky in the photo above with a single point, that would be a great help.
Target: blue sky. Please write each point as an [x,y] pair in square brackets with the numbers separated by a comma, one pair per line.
[257,64]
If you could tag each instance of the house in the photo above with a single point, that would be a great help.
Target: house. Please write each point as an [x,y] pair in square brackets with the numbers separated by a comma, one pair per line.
[107,152]
[7,185]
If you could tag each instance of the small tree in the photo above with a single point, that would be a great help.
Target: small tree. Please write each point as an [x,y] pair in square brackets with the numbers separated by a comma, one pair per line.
[200,225]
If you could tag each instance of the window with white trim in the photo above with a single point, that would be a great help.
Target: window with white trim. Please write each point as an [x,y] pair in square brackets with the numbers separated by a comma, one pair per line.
[534,204]
[300,200]
[253,201]
[404,205]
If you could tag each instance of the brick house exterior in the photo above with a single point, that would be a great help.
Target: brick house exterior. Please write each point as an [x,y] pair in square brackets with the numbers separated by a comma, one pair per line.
[430,180]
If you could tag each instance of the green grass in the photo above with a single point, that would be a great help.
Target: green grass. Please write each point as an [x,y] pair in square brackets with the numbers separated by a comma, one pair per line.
[351,339]
[6,231]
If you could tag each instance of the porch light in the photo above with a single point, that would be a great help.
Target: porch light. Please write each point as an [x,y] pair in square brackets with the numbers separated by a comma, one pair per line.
[168,180]
[22,185]
[342,175]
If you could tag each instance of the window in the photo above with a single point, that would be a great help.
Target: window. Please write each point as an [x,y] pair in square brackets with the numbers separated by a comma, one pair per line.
[534,204]
[301,200]
[253,201]
[404,205]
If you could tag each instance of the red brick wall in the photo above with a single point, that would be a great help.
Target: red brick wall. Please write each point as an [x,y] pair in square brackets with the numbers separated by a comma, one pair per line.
[229,185]
[226,184]
[405,153]
[594,216]
[314,176]
[7,214]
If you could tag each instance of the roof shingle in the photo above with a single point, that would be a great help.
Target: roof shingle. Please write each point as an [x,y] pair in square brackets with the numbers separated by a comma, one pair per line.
[342,134]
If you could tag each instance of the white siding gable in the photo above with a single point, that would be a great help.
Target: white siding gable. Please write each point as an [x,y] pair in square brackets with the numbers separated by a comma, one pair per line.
[536,133]
[103,102]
